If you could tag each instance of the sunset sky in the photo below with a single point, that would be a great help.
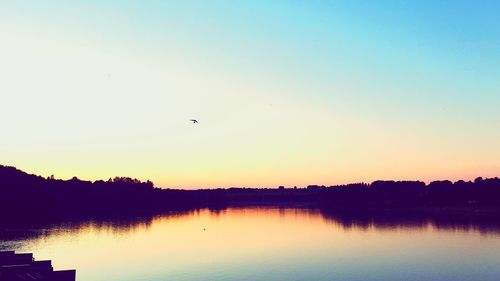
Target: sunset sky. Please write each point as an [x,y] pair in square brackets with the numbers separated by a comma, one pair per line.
[286,92]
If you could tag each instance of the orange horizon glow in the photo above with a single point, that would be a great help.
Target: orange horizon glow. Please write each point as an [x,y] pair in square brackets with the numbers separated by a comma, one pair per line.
[301,96]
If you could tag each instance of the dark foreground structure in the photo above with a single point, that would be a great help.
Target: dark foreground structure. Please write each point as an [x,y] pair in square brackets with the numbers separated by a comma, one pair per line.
[22,267]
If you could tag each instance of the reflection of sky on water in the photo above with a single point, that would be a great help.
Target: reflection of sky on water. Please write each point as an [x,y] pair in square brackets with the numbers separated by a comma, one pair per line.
[265,244]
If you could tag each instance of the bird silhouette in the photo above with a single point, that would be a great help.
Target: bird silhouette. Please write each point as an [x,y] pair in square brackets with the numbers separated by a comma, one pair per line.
[194,121]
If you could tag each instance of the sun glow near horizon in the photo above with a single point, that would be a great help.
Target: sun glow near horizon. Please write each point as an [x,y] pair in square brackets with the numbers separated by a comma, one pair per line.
[285,93]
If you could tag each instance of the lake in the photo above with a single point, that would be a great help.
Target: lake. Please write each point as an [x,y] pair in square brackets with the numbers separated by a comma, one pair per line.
[250,244]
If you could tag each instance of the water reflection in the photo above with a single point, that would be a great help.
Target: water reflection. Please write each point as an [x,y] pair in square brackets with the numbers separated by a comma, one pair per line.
[32,230]
[266,244]
[26,231]
[414,220]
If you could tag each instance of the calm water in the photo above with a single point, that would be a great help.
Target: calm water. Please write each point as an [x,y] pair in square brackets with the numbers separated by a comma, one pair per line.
[264,244]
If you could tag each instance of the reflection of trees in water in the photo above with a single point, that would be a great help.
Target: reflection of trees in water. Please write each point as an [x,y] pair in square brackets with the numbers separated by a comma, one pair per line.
[15,234]
[441,219]
[29,230]
[449,220]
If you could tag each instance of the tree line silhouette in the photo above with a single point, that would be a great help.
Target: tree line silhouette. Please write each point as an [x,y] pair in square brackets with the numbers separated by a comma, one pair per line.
[25,195]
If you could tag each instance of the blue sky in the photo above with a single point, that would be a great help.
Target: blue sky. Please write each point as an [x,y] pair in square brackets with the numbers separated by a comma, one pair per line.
[287,92]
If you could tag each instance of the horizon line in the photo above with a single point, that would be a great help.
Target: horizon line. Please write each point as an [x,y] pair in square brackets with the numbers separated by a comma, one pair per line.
[256,187]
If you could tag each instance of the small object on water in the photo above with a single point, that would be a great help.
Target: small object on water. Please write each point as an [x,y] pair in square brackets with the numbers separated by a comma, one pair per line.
[194,121]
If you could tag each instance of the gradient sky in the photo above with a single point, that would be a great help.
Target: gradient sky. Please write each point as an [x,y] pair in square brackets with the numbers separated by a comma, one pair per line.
[286,92]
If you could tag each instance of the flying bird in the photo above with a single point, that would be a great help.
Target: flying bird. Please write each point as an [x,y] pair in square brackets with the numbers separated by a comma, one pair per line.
[194,121]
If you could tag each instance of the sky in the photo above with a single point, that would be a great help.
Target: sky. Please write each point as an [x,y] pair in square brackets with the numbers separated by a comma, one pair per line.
[286,92]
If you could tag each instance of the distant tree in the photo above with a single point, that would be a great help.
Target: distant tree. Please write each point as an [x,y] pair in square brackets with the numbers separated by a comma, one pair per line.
[478,180]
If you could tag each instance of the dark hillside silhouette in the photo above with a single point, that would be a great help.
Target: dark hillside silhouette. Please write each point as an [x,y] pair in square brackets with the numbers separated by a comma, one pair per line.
[24,195]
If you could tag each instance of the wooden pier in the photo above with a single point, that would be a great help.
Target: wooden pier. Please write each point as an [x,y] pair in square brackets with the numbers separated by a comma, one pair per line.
[23,267]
